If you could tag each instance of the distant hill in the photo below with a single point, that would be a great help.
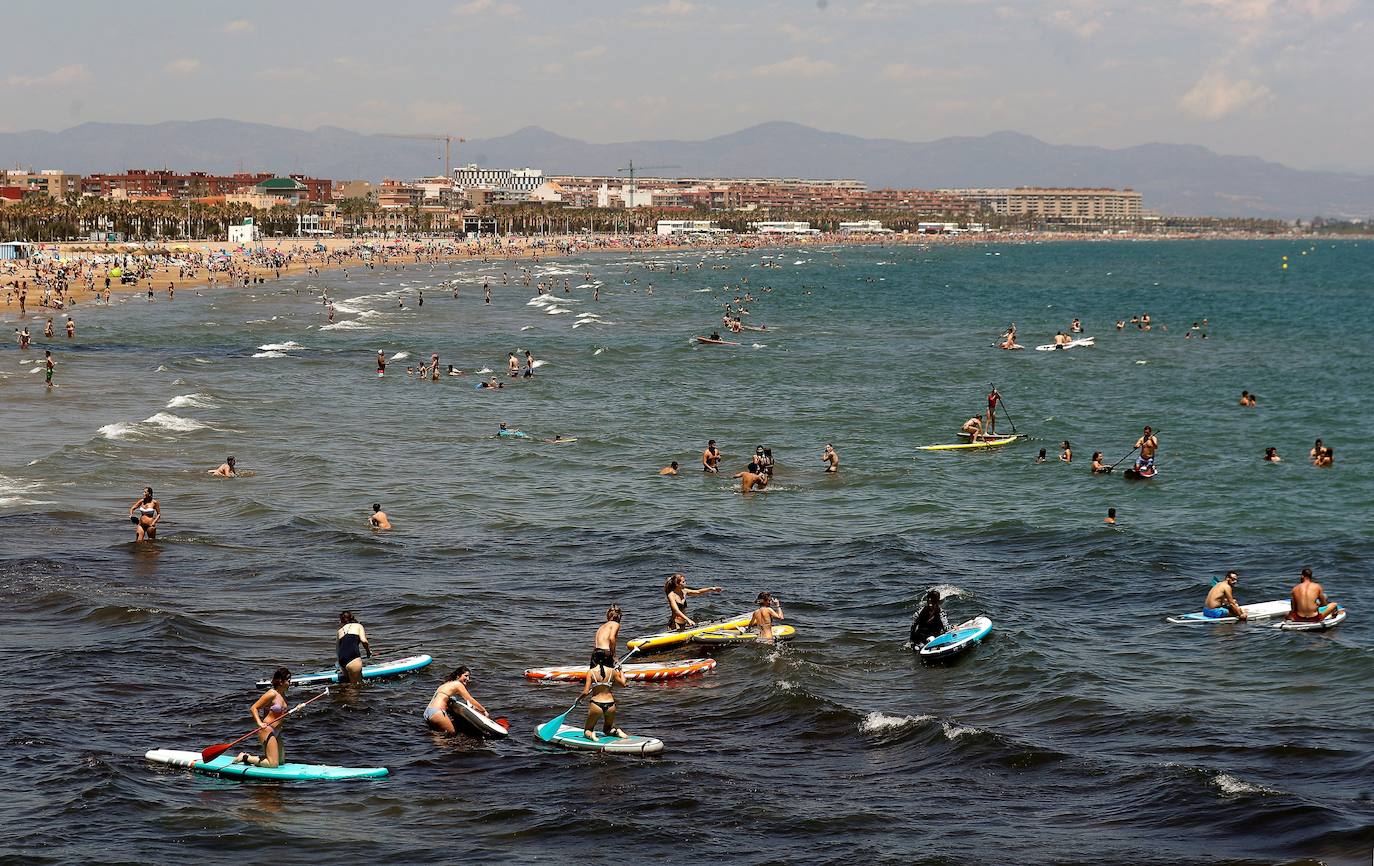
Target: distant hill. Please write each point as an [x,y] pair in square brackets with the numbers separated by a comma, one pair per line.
[1175,179]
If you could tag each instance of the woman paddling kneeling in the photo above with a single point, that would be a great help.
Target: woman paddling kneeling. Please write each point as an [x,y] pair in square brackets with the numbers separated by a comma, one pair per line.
[268,711]
[352,644]
[601,704]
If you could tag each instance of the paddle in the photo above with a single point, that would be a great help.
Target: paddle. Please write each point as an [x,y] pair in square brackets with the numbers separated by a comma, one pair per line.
[546,731]
[1129,453]
[215,751]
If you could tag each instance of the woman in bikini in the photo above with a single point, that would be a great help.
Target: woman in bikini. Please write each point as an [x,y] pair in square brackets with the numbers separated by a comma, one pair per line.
[144,515]
[601,702]
[456,686]
[676,590]
[268,711]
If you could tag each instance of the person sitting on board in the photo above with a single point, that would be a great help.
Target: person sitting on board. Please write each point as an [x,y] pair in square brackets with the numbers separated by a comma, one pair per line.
[1221,599]
[973,426]
[677,591]
[929,622]
[1098,467]
[268,711]
[596,687]
[352,644]
[1271,455]
[761,620]
[1310,603]
[1148,443]
[227,469]
[751,479]
[455,687]
[607,637]
[670,469]
[715,335]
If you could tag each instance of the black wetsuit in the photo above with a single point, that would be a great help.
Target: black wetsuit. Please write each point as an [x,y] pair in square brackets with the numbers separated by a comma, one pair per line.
[929,623]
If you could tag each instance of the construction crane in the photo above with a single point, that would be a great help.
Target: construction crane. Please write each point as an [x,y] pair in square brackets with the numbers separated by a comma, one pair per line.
[632,169]
[446,139]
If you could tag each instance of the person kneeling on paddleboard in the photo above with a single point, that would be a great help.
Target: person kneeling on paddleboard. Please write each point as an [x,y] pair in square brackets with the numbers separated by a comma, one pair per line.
[1221,598]
[352,643]
[456,686]
[268,711]
[601,703]
[929,622]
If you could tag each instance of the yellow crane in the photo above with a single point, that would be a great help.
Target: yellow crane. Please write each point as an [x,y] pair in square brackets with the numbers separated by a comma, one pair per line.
[446,139]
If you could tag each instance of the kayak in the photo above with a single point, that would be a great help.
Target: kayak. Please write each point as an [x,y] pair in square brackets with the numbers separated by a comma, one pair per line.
[709,342]
[224,767]
[484,725]
[1262,611]
[1134,474]
[1323,625]
[729,636]
[965,446]
[370,672]
[644,672]
[958,639]
[1072,344]
[573,737]
[667,639]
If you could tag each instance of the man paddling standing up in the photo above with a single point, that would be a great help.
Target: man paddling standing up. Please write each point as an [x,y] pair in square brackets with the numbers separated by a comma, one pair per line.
[1148,443]
[1310,603]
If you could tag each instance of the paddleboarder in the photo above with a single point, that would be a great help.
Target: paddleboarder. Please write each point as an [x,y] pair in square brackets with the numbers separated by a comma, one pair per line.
[607,637]
[1309,600]
[929,622]
[993,399]
[596,687]
[268,711]
[1221,598]
[456,686]
[351,646]
[1148,443]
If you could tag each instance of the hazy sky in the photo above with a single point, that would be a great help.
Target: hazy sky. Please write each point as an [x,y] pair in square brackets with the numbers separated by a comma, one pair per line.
[1289,81]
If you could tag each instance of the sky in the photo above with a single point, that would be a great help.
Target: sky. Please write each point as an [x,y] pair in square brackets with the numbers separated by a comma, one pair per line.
[1287,81]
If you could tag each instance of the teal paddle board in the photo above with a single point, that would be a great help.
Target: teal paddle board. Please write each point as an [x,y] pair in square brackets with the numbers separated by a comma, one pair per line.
[224,767]
[370,672]
[573,737]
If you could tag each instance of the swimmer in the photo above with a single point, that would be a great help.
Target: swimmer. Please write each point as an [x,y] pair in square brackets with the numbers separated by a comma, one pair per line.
[830,458]
[1040,458]
[379,520]
[751,479]
[1065,452]
[1110,519]
[1326,459]
[512,366]
[607,637]
[677,591]
[670,469]
[1316,451]
[1271,455]
[144,514]
[768,609]
[381,363]
[227,469]
[710,458]
[1097,466]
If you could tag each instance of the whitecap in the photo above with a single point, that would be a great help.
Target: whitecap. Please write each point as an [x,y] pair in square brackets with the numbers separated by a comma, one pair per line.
[760,346]
[1142,362]
[598,351]
[161,368]
[36,370]
[400,356]
[527,327]
[345,308]
[202,361]
[119,430]
[555,311]
[288,346]
[168,421]
[954,732]
[948,590]
[484,370]
[1229,784]
[346,325]
[538,364]
[12,492]
[877,722]
[192,401]
[269,354]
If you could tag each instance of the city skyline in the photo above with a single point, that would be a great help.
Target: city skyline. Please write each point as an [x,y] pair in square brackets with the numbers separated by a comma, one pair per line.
[1251,77]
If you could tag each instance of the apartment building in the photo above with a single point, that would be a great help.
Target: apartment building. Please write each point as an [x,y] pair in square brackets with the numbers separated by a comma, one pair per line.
[57,185]
[1071,205]
[164,183]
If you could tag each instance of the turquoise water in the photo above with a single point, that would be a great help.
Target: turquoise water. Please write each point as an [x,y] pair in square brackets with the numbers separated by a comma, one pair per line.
[1084,729]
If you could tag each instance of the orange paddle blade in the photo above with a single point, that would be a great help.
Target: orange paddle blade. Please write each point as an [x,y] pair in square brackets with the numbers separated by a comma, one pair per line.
[215,751]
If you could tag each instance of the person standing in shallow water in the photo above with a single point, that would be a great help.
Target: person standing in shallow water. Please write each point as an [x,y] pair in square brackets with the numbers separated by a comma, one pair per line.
[144,514]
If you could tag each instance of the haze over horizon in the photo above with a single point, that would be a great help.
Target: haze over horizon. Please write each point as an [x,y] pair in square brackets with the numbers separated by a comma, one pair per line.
[1247,77]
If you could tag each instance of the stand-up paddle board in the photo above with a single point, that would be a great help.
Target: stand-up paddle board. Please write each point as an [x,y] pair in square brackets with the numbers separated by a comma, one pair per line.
[730,636]
[1320,625]
[1133,474]
[1261,610]
[480,722]
[667,639]
[707,341]
[1072,344]
[958,639]
[967,446]
[224,767]
[573,737]
[370,672]
[645,672]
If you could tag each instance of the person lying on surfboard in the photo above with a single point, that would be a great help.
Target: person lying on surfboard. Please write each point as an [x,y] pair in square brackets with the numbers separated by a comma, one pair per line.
[1309,601]
[929,622]
[1221,598]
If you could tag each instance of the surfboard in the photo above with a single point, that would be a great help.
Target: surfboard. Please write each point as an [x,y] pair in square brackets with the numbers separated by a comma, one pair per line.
[1133,474]
[666,639]
[957,640]
[378,670]
[966,446]
[483,724]
[1323,625]
[641,672]
[1259,611]
[731,636]
[1072,344]
[573,737]
[224,767]
[709,342]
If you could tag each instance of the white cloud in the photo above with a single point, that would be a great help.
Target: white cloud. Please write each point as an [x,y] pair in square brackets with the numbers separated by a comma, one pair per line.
[182,66]
[672,8]
[1217,94]
[239,25]
[801,35]
[911,72]
[483,7]
[590,53]
[794,67]
[61,75]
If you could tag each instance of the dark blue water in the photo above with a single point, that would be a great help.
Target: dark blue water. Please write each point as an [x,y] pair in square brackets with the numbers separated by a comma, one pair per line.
[1085,729]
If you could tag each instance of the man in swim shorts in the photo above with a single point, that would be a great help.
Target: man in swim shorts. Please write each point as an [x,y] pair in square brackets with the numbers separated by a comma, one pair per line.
[710,458]
[381,363]
[1148,443]
[1221,598]
[1310,603]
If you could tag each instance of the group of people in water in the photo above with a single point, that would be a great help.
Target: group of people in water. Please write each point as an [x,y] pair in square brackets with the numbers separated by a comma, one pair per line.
[603,675]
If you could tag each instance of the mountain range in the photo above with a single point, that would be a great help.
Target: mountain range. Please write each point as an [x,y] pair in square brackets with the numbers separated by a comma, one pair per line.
[1172,178]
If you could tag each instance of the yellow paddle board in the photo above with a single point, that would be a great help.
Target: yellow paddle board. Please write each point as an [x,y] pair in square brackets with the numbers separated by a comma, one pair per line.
[664,640]
[965,446]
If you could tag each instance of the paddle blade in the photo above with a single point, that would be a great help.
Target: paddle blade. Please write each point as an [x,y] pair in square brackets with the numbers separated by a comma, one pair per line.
[503,723]
[549,728]
[215,751]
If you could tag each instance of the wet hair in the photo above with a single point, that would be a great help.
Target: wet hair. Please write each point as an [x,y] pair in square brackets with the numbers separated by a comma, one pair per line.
[376,506]
[753,467]
[1111,512]
[346,617]
[230,459]
[1235,574]
[613,613]
[281,677]
[147,491]
[768,452]
[458,672]
[764,598]
[1097,455]
[712,441]
[933,597]
[1042,452]
[673,464]
[671,583]
[1307,573]
[1065,444]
